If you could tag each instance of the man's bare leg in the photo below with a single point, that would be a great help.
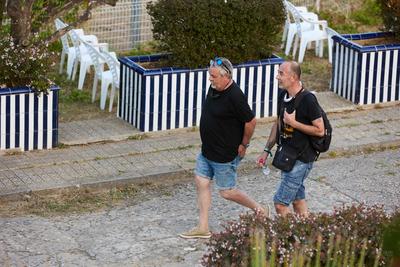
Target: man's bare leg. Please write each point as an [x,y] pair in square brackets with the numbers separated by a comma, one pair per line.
[203,201]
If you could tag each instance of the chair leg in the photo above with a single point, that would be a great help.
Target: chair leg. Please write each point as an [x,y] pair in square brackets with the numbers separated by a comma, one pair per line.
[75,69]
[284,35]
[70,65]
[112,97]
[321,48]
[94,88]
[302,50]
[289,41]
[62,61]
[103,94]
[82,75]
[295,46]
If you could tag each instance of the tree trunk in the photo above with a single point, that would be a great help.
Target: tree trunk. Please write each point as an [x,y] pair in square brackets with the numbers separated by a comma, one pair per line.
[20,13]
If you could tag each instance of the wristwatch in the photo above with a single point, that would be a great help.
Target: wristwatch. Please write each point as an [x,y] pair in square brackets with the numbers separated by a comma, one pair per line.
[245,145]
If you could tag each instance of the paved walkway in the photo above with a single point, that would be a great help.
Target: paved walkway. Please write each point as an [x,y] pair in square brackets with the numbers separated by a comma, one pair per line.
[110,150]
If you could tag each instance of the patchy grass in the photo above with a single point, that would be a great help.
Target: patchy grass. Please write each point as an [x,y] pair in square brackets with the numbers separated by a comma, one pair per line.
[138,137]
[82,200]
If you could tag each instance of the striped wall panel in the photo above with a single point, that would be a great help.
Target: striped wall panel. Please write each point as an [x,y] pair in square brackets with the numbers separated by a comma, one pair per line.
[28,121]
[365,74]
[169,98]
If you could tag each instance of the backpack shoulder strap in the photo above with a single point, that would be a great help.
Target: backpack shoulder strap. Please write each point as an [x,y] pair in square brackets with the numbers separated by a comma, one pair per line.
[299,97]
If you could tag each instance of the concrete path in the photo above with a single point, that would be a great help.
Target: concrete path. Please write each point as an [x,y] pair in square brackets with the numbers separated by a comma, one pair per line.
[145,234]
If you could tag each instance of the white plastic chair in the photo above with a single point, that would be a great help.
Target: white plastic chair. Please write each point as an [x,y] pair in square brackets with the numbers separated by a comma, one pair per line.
[70,50]
[82,57]
[290,29]
[331,32]
[316,34]
[114,67]
[98,63]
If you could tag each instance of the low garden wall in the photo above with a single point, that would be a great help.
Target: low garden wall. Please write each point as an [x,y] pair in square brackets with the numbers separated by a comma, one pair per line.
[28,121]
[365,74]
[170,98]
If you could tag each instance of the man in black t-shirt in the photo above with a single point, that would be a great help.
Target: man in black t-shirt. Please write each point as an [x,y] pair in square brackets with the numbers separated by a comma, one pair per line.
[226,126]
[297,126]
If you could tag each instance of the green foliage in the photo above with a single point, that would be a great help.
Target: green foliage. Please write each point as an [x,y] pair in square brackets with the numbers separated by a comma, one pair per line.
[391,16]
[348,236]
[197,31]
[369,14]
[391,237]
[24,66]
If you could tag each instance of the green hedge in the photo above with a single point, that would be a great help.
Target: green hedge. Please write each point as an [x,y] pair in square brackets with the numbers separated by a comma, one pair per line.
[195,31]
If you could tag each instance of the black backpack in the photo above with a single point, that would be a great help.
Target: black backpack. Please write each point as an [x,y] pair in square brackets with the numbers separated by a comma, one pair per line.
[319,144]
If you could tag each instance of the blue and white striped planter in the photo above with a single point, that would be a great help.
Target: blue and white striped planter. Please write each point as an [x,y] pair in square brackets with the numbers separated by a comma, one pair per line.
[28,121]
[170,98]
[365,74]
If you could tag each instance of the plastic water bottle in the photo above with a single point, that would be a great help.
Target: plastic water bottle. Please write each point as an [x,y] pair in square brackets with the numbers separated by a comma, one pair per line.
[265,170]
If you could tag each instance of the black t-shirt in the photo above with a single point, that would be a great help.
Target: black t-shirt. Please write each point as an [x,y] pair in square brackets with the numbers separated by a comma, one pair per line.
[223,117]
[307,111]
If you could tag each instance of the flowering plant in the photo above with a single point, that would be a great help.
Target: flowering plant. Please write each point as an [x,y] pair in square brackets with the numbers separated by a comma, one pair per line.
[24,65]
[355,229]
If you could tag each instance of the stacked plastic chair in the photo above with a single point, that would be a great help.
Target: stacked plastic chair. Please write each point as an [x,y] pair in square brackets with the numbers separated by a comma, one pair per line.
[69,50]
[317,33]
[114,67]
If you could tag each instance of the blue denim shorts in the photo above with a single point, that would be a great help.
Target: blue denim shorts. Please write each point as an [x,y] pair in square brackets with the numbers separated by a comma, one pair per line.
[225,174]
[291,187]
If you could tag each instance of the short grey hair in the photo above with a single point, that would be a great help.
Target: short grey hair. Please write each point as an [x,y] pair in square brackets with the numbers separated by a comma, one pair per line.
[226,68]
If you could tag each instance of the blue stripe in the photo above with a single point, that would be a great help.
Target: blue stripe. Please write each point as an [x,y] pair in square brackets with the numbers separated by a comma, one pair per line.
[263,92]
[35,122]
[17,119]
[160,101]
[178,99]
[8,115]
[55,118]
[186,119]
[390,70]
[45,113]
[151,103]
[26,139]
[254,89]
[195,90]
[169,101]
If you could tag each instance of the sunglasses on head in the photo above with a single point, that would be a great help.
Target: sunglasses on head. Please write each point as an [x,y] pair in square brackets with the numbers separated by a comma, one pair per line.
[218,62]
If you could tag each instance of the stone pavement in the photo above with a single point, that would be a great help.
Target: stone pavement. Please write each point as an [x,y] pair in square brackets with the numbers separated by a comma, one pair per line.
[145,233]
[110,151]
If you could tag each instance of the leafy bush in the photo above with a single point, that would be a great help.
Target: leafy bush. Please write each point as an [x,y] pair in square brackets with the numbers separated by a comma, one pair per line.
[197,31]
[391,16]
[24,65]
[356,229]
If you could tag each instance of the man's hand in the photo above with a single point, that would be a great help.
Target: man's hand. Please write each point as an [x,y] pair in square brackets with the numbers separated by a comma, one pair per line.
[262,159]
[242,150]
[290,118]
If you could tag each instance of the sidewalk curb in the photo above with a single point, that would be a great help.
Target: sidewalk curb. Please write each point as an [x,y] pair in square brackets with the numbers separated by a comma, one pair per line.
[181,174]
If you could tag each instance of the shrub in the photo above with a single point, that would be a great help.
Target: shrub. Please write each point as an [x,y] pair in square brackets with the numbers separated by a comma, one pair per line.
[320,238]
[391,16]
[24,65]
[197,31]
